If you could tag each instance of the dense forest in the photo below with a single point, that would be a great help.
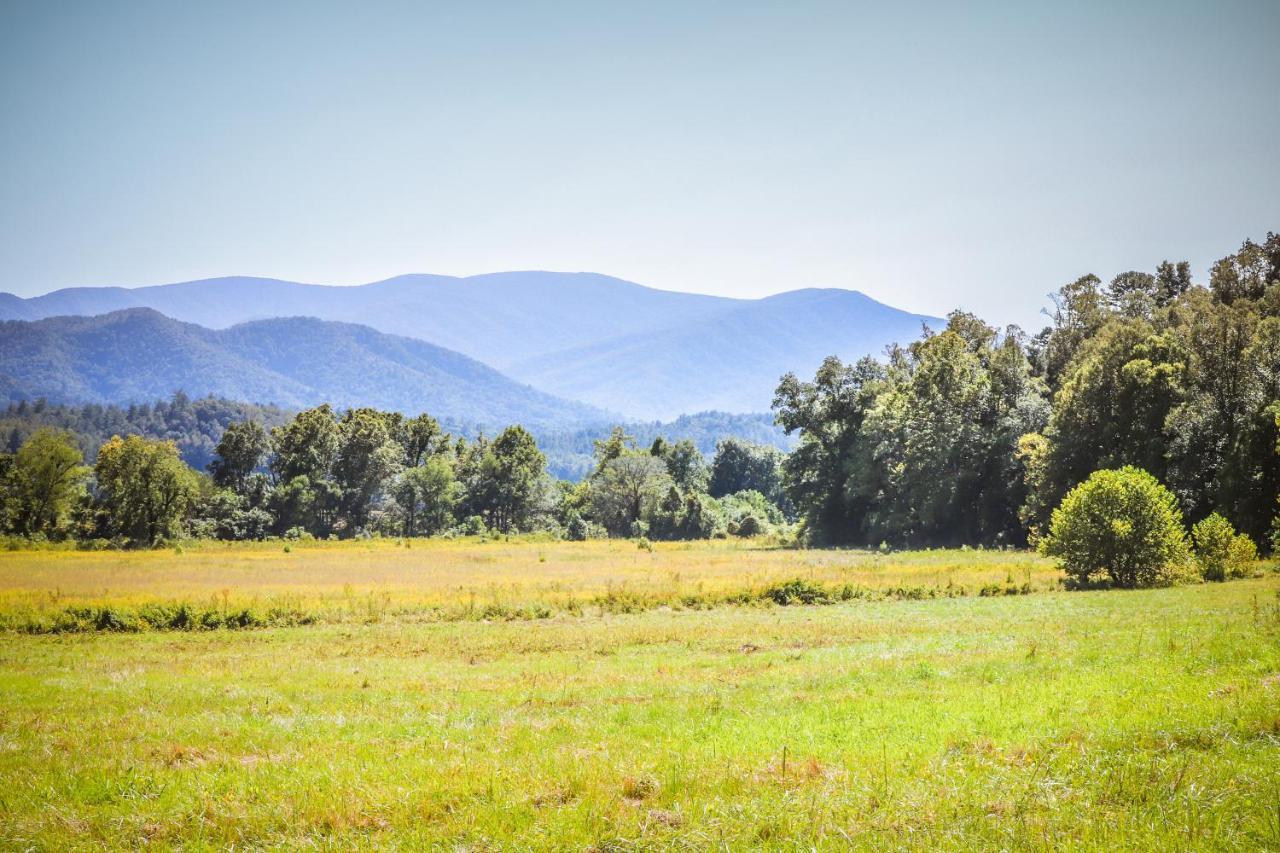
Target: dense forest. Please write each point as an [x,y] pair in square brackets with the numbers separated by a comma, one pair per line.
[968,436]
[972,435]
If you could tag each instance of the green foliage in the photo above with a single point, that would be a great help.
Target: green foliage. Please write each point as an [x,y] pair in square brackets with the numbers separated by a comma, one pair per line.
[242,448]
[1248,273]
[146,489]
[1220,552]
[577,529]
[741,466]
[426,497]
[473,525]
[504,479]
[228,516]
[750,513]
[626,489]
[1119,527]
[971,437]
[920,450]
[1111,409]
[306,446]
[1080,310]
[686,516]
[798,591]
[40,482]
[966,436]
[367,458]
[686,465]
[1183,388]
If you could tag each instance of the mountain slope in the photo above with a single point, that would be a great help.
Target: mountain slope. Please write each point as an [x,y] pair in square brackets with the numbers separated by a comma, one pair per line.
[498,318]
[139,354]
[731,362]
[648,353]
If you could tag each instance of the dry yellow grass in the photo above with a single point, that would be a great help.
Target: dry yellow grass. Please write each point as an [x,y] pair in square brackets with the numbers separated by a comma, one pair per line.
[381,577]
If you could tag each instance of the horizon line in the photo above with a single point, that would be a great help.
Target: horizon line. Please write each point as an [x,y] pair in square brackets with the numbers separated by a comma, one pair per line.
[460,278]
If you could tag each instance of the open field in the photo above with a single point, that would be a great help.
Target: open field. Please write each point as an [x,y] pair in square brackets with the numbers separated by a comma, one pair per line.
[1054,721]
[431,580]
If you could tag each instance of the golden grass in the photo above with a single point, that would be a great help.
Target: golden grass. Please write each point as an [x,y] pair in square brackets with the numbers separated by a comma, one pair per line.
[370,579]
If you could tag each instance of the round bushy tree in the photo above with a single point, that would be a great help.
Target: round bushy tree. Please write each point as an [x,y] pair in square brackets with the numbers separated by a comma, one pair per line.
[1119,527]
[1221,553]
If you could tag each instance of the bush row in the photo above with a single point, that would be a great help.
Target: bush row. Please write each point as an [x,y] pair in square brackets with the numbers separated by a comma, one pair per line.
[185,617]
[160,617]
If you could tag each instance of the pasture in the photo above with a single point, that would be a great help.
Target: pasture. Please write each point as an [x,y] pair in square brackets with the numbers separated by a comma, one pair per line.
[470,578]
[403,716]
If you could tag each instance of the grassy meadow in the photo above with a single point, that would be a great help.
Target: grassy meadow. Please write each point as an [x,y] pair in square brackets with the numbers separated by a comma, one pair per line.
[401,718]
[438,579]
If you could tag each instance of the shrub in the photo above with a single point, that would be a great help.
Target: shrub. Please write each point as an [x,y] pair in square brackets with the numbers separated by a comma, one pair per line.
[1119,527]
[576,530]
[109,619]
[797,591]
[1220,552]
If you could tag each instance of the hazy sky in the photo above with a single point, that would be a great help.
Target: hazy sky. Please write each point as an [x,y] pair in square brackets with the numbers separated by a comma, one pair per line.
[973,155]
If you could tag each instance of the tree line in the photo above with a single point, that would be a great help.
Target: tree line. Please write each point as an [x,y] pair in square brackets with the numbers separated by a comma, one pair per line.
[195,425]
[324,474]
[973,435]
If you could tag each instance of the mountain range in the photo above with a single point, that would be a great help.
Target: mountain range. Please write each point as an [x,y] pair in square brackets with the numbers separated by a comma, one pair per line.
[599,341]
[139,354]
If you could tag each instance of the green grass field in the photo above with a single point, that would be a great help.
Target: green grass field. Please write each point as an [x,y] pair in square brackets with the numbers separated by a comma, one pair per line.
[1055,720]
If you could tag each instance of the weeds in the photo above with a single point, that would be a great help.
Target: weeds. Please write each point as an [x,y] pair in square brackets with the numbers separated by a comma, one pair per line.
[159,617]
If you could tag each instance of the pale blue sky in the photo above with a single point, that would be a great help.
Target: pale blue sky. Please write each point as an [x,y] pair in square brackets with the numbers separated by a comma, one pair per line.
[932,156]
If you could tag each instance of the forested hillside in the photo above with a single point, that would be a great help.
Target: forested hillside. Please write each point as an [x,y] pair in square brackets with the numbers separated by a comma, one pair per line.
[194,426]
[139,354]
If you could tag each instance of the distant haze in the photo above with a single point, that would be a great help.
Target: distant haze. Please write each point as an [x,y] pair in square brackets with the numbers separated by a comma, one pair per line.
[931,156]
[609,343]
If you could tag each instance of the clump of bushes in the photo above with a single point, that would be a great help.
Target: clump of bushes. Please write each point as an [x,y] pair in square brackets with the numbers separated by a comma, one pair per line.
[1118,528]
[992,590]
[162,617]
[798,592]
[1220,552]
[576,529]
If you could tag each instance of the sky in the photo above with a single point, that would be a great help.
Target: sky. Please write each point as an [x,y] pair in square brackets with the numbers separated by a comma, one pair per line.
[972,155]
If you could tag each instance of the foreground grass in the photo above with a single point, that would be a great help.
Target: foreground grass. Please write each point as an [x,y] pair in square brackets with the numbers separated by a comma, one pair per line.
[435,580]
[1095,720]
